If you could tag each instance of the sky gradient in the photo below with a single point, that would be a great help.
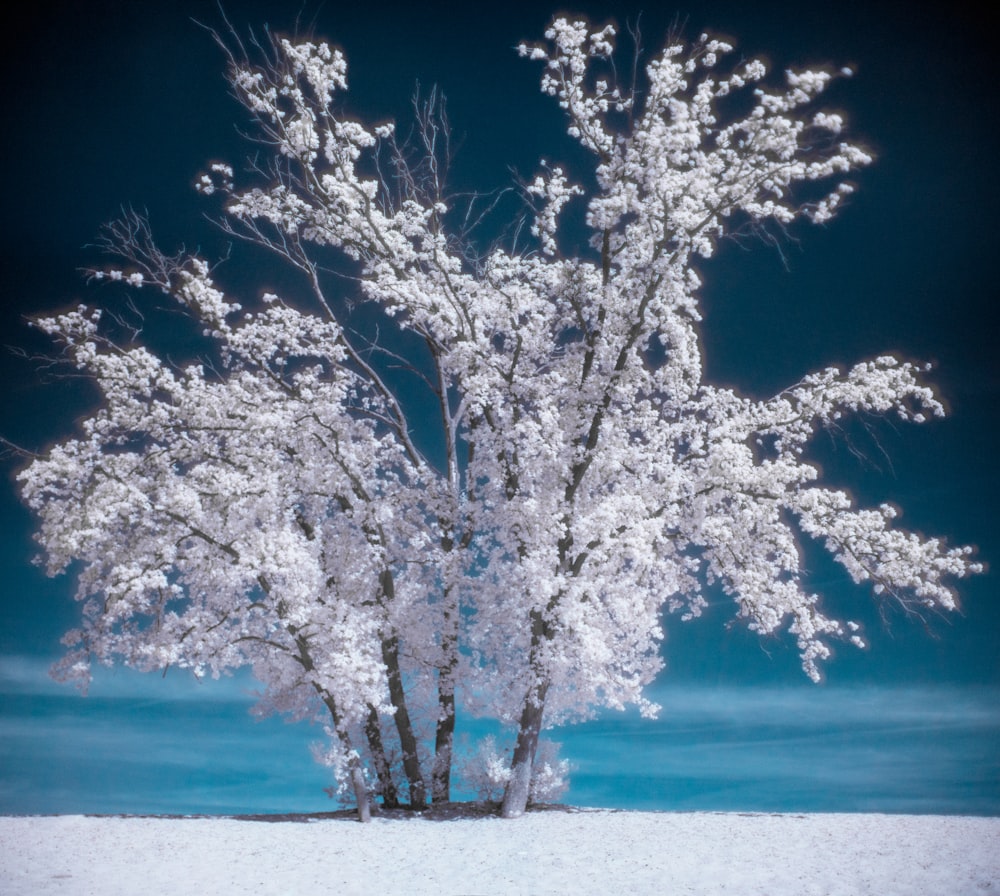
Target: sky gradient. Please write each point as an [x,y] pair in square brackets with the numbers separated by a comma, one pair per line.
[114,105]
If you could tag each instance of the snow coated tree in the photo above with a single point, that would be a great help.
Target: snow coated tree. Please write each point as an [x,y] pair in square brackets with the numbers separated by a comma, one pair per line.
[271,508]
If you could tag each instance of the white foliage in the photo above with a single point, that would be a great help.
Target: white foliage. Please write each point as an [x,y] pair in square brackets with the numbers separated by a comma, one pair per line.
[549,774]
[487,772]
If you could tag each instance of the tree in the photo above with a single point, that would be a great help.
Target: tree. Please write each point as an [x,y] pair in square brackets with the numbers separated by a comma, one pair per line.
[270,506]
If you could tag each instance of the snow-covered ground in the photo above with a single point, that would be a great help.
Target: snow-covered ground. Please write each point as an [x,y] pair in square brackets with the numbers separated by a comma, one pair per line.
[544,852]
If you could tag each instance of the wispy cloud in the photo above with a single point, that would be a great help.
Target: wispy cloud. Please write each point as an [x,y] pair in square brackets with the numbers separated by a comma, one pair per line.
[145,744]
[812,749]
[132,748]
[30,675]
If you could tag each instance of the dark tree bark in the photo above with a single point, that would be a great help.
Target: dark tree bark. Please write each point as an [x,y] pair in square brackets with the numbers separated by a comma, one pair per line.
[518,790]
[407,739]
[445,733]
[386,786]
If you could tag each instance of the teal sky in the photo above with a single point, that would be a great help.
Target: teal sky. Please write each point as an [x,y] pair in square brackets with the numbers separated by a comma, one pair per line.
[113,104]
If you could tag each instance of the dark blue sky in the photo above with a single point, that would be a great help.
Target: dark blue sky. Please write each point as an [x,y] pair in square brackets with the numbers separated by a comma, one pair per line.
[111,104]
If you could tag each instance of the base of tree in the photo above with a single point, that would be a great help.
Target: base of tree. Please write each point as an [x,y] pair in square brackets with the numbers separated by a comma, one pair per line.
[438,812]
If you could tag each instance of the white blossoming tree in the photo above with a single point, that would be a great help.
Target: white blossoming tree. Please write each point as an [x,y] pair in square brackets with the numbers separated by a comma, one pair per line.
[272,509]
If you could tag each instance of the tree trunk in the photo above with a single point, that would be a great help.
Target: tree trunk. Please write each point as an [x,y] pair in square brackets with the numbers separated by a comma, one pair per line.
[360,792]
[444,742]
[407,740]
[443,747]
[354,763]
[386,786]
[445,734]
[518,790]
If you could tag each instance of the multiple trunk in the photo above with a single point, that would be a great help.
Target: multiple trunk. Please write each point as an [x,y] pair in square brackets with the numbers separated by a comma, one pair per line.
[386,785]
[397,696]
[445,732]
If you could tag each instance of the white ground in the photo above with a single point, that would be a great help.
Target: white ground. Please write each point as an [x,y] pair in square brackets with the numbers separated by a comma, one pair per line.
[546,852]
